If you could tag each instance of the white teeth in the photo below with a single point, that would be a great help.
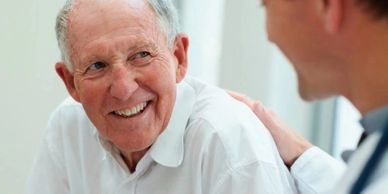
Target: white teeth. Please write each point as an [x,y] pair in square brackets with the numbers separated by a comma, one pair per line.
[132,111]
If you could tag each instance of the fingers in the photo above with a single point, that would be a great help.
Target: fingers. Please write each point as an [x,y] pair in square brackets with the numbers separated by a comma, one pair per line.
[289,143]
[258,108]
[267,116]
[242,98]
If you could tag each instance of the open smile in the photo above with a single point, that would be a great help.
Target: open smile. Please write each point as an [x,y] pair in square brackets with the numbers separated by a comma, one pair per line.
[134,111]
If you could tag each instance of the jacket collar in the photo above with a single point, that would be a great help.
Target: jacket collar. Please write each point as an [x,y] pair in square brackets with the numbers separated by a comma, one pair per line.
[375,120]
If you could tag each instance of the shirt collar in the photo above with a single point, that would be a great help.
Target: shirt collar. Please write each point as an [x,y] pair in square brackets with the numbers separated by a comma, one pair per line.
[168,150]
[108,147]
[375,120]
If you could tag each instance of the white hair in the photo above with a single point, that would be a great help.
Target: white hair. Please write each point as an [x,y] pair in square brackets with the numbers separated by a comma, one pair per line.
[164,9]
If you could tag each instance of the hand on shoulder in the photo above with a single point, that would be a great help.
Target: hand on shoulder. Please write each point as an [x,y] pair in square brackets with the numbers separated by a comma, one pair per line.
[289,143]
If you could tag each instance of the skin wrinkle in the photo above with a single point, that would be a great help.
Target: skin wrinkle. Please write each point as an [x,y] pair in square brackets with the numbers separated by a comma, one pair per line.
[105,50]
[166,19]
[135,31]
[148,17]
[126,78]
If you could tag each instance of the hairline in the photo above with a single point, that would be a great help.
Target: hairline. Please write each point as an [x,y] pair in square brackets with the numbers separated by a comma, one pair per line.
[168,24]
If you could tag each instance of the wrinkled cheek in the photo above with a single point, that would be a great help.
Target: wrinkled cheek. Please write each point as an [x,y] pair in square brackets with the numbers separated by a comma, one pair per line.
[166,107]
[92,97]
[94,89]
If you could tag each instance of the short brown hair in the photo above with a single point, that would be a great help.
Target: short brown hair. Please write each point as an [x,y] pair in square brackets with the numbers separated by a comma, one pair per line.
[379,8]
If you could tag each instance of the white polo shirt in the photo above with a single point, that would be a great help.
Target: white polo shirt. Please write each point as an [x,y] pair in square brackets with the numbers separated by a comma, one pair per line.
[212,145]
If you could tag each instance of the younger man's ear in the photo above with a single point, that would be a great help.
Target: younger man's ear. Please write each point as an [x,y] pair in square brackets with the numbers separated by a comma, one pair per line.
[67,78]
[333,14]
[181,46]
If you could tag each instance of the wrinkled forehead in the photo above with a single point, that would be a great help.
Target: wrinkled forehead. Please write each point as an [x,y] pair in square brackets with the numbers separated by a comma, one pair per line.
[104,5]
[92,18]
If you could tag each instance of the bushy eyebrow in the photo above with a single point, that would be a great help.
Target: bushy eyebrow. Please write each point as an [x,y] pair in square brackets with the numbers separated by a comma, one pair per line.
[148,45]
[137,46]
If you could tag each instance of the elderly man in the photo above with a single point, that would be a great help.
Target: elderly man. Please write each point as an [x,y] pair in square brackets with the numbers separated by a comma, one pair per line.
[135,129]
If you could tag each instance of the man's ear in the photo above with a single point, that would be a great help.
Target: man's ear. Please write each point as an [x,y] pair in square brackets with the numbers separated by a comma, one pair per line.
[181,46]
[333,14]
[68,79]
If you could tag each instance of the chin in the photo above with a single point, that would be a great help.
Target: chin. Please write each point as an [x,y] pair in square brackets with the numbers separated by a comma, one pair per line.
[306,92]
[313,94]
[307,97]
[134,146]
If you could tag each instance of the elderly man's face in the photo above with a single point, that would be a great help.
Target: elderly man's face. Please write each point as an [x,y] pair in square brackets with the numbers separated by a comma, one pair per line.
[124,73]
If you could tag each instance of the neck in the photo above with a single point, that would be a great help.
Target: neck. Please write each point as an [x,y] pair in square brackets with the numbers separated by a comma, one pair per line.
[368,70]
[132,158]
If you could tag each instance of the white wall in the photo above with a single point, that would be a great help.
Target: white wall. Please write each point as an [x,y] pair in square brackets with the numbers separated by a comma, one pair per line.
[29,86]
[252,65]
[203,20]
[229,48]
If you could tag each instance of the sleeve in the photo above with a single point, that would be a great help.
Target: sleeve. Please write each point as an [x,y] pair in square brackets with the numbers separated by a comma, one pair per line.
[255,178]
[48,174]
[316,172]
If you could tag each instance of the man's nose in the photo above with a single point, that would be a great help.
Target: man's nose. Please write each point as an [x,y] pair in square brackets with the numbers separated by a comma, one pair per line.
[124,83]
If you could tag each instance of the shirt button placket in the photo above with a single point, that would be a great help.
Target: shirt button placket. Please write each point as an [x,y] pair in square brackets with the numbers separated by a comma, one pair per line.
[128,186]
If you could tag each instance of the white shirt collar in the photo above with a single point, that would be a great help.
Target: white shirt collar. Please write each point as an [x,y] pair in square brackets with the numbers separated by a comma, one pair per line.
[168,150]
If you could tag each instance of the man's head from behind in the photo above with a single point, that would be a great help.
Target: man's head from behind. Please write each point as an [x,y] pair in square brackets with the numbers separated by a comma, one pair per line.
[121,61]
[322,39]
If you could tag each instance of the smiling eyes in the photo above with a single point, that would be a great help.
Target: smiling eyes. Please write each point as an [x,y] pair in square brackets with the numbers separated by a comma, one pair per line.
[96,66]
[142,54]
[139,59]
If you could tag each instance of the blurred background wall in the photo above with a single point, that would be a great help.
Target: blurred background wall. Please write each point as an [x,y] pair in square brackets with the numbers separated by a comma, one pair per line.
[30,89]
[228,48]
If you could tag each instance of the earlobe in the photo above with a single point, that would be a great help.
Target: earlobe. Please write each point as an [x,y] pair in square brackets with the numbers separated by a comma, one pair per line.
[333,15]
[68,79]
[180,72]
[180,53]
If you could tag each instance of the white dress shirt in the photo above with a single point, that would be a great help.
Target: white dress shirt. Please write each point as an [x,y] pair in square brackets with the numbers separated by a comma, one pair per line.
[212,145]
[317,172]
